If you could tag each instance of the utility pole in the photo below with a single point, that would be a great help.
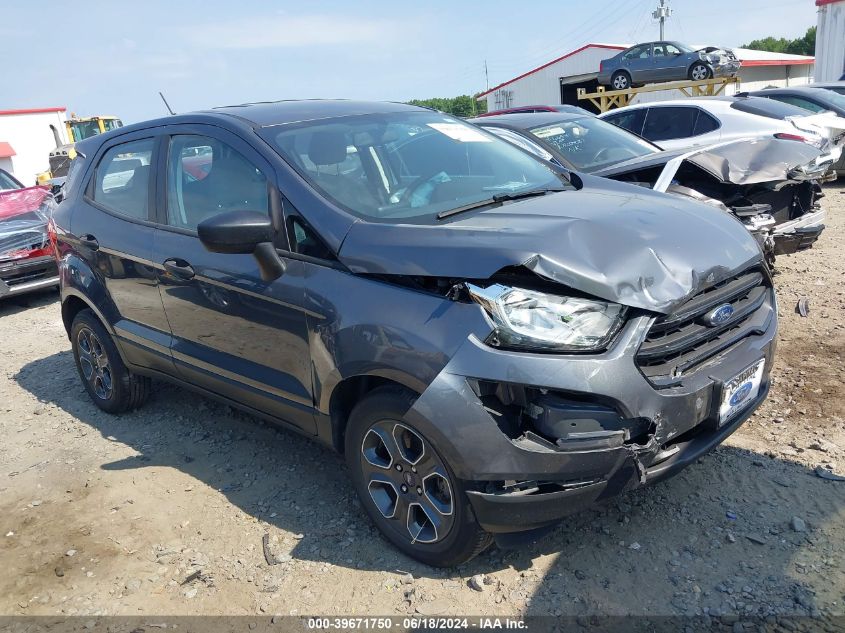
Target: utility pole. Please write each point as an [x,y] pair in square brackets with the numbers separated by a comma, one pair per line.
[661,13]
[486,75]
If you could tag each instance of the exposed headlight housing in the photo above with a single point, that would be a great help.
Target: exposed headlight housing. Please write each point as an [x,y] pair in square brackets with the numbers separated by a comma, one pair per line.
[532,320]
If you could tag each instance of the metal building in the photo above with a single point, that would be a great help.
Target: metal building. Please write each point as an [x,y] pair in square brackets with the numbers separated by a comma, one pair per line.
[557,81]
[830,40]
[26,139]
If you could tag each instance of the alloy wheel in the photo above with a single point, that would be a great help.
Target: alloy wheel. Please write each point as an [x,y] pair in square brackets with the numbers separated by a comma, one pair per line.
[408,482]
[620,82]
[94,363]
[699,72]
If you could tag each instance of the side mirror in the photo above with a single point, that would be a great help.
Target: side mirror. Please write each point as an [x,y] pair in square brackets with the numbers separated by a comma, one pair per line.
[244,232]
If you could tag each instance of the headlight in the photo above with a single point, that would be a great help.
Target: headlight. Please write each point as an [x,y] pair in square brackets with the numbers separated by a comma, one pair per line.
[528,319]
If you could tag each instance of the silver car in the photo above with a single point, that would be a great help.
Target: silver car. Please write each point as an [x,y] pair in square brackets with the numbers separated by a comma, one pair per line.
[666,61]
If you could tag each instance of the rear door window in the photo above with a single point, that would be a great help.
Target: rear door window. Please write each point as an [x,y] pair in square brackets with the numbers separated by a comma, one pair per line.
[122,179]
[671,122]
[638,52]
[632,120]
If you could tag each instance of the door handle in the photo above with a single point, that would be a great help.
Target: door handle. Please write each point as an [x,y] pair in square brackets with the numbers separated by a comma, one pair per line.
[89,241]
[179,268]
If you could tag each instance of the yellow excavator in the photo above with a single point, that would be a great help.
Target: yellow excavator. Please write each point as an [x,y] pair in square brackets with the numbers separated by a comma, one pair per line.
[77,128]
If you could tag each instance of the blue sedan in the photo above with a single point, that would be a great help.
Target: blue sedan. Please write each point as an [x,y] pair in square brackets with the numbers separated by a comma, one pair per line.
[666,61]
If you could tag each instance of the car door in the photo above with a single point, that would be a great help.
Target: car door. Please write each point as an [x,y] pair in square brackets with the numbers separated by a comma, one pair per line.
[641,65]
[671,65]
[671,127]
[233,333]
[112,231]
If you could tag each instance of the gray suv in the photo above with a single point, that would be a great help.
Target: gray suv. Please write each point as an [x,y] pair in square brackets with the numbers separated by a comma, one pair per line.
[493,342]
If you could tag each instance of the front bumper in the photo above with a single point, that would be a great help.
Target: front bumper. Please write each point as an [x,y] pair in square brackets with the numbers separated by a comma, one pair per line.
[22,276]
[681,419]
[799,234]
[726,69]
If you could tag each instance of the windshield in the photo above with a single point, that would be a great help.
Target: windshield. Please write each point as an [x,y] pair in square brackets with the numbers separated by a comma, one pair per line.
[6,182]
[410,165]
[590,144]
[768,108]
[837,89]
[84,129]
[682,47]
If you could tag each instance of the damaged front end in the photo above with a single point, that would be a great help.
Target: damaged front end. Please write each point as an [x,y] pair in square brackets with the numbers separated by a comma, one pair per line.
[771,185]
[723,61]
[540,436]
[27,263]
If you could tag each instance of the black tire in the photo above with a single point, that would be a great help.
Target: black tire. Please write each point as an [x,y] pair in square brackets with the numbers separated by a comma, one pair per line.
[620,80]
[699,72]
[464,538]
[108,382]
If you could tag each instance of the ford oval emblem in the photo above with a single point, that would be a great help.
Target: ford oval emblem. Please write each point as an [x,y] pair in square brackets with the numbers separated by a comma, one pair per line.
[741,394]
[719,314]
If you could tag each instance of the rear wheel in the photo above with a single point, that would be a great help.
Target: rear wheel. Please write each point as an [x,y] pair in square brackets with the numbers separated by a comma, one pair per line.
[406,487]
[620,80]
[700,72]
[110,384]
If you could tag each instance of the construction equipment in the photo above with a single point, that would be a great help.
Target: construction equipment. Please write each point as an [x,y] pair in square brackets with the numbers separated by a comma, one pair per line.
[77,128]
[604,100]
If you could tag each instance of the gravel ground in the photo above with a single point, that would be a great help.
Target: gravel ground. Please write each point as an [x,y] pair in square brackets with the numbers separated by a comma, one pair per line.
[163,511]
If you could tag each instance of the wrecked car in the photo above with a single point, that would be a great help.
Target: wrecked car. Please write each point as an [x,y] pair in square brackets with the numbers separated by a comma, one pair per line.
[27,263]
[655,62]
[770,184]
[492,342]
[816,98]
[693,123]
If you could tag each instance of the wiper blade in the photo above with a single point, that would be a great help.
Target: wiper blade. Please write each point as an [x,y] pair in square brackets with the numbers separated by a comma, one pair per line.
[498,198]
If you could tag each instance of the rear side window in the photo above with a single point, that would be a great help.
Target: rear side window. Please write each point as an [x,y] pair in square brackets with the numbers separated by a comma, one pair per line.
[631,120]
[663,124]
[705,123]
[122,179]
[638,52]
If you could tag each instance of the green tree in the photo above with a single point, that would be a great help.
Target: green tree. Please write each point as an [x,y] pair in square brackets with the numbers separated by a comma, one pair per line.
[805,45]
[462,105]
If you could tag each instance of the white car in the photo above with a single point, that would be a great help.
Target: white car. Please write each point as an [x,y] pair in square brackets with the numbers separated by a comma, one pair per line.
[693,123]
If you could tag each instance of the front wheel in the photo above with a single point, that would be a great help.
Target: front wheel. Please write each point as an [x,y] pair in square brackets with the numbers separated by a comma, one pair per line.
[700,72]
[406,487]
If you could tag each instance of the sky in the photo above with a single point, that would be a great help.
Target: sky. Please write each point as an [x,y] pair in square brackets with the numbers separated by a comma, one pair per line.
[113,57]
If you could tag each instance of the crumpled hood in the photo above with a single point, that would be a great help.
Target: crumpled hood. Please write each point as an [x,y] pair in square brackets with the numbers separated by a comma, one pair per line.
[615,241]
[742,162]
[23,221]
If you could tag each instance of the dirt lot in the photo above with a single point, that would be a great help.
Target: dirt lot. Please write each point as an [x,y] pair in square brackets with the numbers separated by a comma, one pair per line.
[111,515]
